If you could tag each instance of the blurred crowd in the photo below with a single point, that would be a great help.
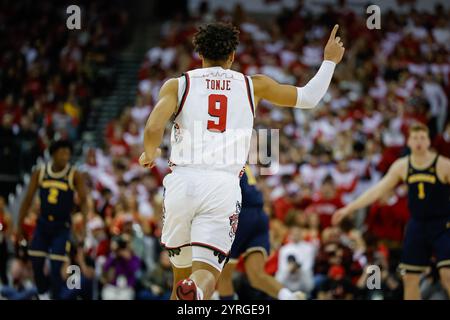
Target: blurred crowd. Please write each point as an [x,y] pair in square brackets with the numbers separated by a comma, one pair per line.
[389,78]
[49,75]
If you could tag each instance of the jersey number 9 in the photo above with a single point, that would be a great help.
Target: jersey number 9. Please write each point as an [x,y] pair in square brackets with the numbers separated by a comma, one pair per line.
[217,107]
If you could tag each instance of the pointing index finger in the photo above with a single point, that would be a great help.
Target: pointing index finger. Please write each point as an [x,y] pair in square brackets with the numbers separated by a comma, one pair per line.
[333,32]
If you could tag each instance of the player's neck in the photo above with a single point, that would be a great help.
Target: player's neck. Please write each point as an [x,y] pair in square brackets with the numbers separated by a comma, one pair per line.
[207,64]
[56,168]
[421,158]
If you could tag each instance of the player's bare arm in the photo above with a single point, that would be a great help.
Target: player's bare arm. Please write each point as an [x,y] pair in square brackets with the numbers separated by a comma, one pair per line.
[80,188]
[27,201]
[396,173]
[157,121]
[308,96]
[443,169]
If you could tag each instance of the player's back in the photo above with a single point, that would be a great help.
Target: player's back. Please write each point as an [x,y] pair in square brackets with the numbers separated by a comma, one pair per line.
[214,120]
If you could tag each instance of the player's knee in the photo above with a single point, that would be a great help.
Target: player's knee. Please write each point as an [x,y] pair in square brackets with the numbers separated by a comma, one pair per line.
[256,277]
[411,280]
[445,277]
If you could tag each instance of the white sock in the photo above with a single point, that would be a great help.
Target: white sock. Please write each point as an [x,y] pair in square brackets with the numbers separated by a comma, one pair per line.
[199,293]
[285,294]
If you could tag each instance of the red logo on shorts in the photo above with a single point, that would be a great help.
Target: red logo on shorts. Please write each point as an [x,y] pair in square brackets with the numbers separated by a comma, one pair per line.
[234,218]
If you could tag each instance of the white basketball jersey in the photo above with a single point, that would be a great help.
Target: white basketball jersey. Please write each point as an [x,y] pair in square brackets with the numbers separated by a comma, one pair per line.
[213,124]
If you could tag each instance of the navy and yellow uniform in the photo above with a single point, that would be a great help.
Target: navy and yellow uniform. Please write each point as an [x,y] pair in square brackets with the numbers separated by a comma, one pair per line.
[428,230]
[253,228]
[51,237]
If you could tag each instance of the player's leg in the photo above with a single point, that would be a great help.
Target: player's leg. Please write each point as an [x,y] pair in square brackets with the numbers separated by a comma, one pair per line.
[38,252]
[441,248]
[176,233]
[258,278]
[415,259]
[212,232]
[205,276]
[411,286]
[444,273]
[225,283]
[178,275]
[60,248]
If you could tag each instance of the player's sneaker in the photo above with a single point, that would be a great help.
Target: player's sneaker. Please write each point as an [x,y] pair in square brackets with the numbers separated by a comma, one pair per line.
[298,295]
[44,296]
[187,290]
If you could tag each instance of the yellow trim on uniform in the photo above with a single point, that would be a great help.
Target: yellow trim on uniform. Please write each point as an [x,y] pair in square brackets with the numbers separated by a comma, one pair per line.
[68,245]
[250,176]
[37,253]
[57,175]
[443,263]
[58,257]
[55,184]
[422,177]
[255,249]
[232,261]
[410,267]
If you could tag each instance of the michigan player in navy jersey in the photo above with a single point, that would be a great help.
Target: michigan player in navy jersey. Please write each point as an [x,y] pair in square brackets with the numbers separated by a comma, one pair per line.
[427,175]
[253,244]
[57,181]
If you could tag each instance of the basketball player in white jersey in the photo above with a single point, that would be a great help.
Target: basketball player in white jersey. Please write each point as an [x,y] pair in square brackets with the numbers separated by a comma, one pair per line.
[212,109]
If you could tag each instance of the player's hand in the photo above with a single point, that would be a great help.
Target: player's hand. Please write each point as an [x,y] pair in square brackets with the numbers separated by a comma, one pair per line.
[334,49]
[18,235]
[340,215]
[148,162]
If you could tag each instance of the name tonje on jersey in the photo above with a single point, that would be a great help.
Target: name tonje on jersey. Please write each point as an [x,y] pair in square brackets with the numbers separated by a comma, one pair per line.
[218,84]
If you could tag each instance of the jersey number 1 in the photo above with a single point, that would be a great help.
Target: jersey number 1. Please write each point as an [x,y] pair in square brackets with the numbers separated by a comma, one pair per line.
[421,189]
[217,107]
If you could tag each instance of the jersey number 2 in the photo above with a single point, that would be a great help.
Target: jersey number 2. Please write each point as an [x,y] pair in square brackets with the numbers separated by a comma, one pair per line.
[217,107]
[53,196]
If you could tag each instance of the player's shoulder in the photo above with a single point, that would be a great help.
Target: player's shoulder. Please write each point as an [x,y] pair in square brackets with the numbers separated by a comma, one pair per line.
[400,166]
[170,85]
[443,161]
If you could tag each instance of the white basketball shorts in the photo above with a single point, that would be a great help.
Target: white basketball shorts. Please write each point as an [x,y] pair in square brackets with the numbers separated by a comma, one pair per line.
[201,211]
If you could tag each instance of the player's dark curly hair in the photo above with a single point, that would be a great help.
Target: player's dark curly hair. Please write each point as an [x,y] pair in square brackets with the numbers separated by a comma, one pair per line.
[216,41]
[60,144]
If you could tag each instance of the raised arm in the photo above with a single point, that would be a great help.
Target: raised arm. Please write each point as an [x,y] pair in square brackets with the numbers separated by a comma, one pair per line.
[395,174]
[309,95]
[156,123]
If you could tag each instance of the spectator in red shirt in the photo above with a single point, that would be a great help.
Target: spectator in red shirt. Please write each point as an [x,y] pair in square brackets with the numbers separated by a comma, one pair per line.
[326,202]
[387,217]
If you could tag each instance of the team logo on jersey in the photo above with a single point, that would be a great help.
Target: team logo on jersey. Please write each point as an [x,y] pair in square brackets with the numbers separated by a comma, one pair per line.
[177,133]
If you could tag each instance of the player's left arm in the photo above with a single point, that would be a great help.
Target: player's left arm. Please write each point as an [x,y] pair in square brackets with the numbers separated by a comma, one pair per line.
[444,169]
[309,95]
[157,121]
[80,187]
